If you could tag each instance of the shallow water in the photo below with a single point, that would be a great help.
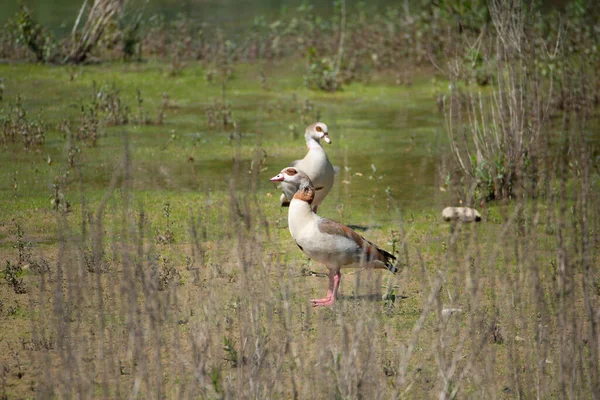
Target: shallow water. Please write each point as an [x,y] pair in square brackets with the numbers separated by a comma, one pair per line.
[233,16]
[387,139]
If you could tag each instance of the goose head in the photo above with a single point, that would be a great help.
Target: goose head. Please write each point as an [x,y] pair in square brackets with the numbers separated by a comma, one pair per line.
[293,176]
[317,131]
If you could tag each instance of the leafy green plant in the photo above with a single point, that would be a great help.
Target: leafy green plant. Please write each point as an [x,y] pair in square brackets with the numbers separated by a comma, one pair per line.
[469,16]
[321,74]
[230,351]
[216,378]
[492,135]
[17,126]
[58,202]
[479,67]
[130,28]
[23,247]
[33,35]
[12,275]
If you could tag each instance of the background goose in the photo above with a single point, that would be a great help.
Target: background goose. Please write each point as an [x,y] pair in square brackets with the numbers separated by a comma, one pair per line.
[326,241]
[315,164]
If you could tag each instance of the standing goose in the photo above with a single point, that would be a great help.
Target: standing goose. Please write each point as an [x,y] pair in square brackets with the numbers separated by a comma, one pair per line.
[326,241]
[315,164]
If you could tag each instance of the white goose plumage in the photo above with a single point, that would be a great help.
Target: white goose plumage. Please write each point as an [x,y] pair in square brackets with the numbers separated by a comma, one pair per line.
[315,164]
[326,241]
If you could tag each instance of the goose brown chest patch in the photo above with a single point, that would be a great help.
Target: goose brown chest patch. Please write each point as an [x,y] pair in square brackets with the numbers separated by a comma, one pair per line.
[306,194]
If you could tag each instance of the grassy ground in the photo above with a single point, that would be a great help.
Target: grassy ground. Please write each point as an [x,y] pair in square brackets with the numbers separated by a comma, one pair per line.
[209,296]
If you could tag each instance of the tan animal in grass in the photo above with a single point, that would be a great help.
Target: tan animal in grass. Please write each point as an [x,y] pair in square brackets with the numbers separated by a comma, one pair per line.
[326,241]
[315,164]
[462,214]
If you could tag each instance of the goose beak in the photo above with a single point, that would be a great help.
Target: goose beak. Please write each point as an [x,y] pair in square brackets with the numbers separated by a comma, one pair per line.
[326,137]
[277,178]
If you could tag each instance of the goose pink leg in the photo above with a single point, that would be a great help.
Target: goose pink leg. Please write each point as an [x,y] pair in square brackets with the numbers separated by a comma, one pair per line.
[334,284]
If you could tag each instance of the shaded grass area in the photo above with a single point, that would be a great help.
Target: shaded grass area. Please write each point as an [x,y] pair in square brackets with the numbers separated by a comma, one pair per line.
[209,297]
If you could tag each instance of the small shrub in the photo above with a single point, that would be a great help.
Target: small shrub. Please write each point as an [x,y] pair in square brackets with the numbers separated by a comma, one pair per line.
[95,263]
[23,247]
[13,311]
[131,34]
[38,343]
[160,113]
[219,115]
[33,35]
[18,127]
[231,353]
[322,75]
[109,102]
[177,63]
[57,199]
[167,274]
[142,118]
[40,267]
[166,236]
[12,275]
[88,130]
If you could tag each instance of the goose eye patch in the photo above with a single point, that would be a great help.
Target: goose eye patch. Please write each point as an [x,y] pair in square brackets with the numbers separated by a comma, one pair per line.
[319,129]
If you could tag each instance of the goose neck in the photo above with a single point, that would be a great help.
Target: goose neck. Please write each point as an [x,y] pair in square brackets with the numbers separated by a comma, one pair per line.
[313,144]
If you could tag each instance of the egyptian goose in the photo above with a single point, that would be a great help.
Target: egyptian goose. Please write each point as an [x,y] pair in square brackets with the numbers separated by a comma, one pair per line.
[326,241]
[315,164]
